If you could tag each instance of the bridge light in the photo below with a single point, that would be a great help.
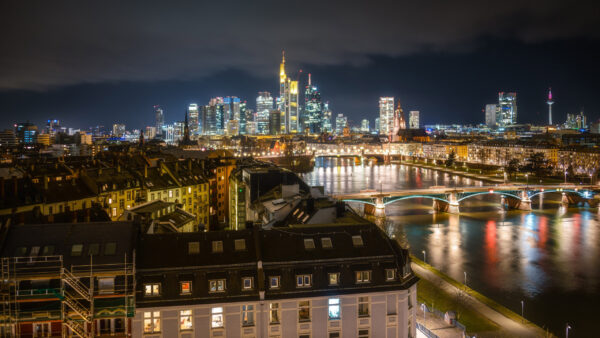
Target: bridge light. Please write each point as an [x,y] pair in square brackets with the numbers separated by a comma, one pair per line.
[491,191]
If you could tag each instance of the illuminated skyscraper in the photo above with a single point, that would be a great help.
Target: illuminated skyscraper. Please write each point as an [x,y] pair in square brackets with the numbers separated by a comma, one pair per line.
[550,102]
[159,117]
[413,119]
[364,126]
[264,105]
[213,116]
[341,122]
[326,125]
[288,100]
[26,133]
[193,121]
[275,122]
[386,114]
[313,108]
[491,114]
[507,103]
[118,130]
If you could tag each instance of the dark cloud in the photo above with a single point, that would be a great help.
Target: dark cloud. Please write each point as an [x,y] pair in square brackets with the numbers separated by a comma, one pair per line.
[49,44]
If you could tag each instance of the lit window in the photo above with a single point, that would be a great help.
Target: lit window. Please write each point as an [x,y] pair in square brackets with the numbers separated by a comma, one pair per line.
[114,212]
[240,244]
[185,320]
[189,190]
[274,313]
[326,243]
[390,274]
[216,320]
[357,241]
[303,280]
[217,285]
[363,306]
[217,246]
[363,276]
[309,244]
[170,193]
[110,248]
[186,288]
[76,250]
[334,278]
[247,315]
[193,248]
[152,289]
[334,308]
[363,333]
[274,282]
[152,322]
[247,283]
[304,311]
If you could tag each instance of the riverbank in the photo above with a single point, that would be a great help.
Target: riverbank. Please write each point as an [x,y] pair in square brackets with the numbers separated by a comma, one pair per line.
[463,173]
[510,324]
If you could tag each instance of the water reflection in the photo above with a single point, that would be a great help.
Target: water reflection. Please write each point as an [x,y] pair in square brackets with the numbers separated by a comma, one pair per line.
[548,257]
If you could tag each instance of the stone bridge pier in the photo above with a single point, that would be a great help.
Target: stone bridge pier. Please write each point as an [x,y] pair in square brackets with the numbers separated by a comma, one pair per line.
[524,203]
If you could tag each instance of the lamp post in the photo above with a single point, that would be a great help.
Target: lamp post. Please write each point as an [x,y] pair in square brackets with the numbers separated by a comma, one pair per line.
[565,177]
[424,256]
[527,178]
[567,330]
[522,310]
[465,277]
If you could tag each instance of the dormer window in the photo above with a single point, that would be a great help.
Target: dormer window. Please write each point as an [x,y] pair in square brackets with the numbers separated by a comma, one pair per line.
[363,276]
[390,274]
[247,283]
[274,282]
[217,246]
[240,244]
[326,243]
[309,244]
[193,248]
[357,241]
[303,281]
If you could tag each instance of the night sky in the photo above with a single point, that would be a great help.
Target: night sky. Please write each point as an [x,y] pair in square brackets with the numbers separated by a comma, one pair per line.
[100,62]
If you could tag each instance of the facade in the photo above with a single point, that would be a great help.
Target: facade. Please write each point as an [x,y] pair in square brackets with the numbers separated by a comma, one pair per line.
[507,109]
[150,132]
[264,105]
[327,125]
[118,130]
[329,281]
[313,108]
[413,120]
[159,118]
[26,133]
[288,101]
[341,122]
[275,122]
[491,115]
[193,118]
[386,115]
[364,126]
[500,152]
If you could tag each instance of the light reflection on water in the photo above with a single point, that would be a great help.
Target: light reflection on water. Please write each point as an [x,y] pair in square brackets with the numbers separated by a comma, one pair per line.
[548,257]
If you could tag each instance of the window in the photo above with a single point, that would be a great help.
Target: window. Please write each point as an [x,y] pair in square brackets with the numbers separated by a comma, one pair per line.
[363,306]
[152,289]
[34,251]
[326,243]
[363,333]
[106,285]
[334,278]
[217,246]
[390,274]
[335,334]
[217,285]
[152,322]
[240,244]
[185,320]
[216,318]
[76,250]
[303,280]
[110,248]
[247,283]
[304,311]
[193,248]
[357,241]
[185,288]
[363,276]
[170,193]
[334,308]
[309,244]
[41,330]
[114,212]
[48,250]
[274,282]
[274,313]
[93,249]
[247,315]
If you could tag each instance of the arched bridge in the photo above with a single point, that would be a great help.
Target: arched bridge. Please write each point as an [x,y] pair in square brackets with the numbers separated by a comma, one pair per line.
[448,199]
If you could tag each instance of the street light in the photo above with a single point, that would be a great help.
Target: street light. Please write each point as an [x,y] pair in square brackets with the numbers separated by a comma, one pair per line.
[568,328]
[565,177]
[424,256]
[465,278]
[527,178]
[522,310]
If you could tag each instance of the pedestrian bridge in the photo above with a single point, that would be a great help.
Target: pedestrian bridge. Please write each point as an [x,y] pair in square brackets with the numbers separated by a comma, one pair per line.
[448,199]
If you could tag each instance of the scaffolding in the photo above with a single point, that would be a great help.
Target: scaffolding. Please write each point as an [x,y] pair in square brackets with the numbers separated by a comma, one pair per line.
[42,289]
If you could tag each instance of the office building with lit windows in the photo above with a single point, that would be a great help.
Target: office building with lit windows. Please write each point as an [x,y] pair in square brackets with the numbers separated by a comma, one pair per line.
[413,120]
[507,109]
[313,108]
[193,114]
[288,101]
[386,115]
[264,105]
[298,281]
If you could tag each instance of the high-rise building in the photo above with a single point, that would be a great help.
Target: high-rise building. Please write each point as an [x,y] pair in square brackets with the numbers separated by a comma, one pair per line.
[364,126]
[341,122]
[507,103]
[576,121]
[193,120]
[8,138]
[413,119]
[275,122]
[288,100]
[313,108]
[550,102]
[150,132]
[264,105]
[245,116]
[52,127]
[491,114]
[326,125]
[386,114]
[377,125]
[118,130]
[159,118]
[26,133]
[213,116]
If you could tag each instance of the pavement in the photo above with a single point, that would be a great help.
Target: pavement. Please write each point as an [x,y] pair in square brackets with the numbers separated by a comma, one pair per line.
[508,326]
[436,325]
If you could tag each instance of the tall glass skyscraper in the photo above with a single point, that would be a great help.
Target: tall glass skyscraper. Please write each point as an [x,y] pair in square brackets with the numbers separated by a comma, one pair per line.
[159,117]
[288,100]
[264,105]
[507,106]
[313,108]
[326,125]
[386,115]
[193,121]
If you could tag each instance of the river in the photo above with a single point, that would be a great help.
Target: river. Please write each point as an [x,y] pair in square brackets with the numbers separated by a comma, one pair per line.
[548,258]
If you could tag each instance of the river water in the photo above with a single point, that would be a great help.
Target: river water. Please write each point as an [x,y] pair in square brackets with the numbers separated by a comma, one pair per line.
[548,258]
